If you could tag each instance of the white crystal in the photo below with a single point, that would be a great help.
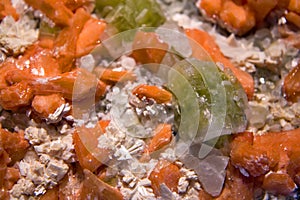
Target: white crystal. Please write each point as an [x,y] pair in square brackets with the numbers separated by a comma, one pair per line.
[87,62]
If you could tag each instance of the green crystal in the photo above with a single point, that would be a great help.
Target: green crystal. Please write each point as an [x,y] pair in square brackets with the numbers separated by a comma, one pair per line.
[220,97]
[130,14]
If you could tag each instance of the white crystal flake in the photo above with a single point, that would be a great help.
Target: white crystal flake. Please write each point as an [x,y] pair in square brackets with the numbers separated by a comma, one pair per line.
[16,36]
